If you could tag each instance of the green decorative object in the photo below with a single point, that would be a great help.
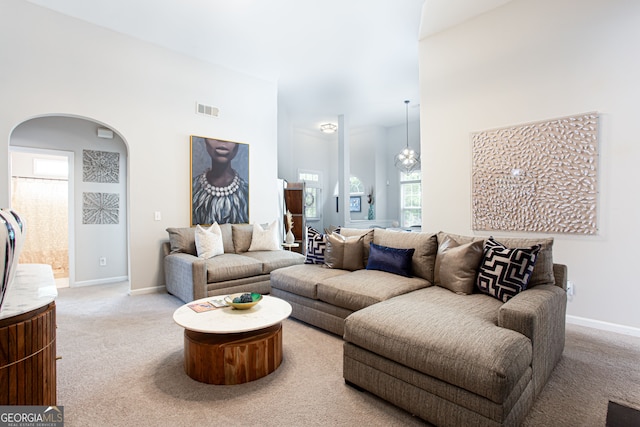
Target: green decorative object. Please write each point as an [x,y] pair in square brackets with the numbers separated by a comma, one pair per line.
[371,214]
[243,301]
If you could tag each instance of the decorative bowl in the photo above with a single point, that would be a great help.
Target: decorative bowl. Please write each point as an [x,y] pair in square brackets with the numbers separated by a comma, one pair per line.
[243,305]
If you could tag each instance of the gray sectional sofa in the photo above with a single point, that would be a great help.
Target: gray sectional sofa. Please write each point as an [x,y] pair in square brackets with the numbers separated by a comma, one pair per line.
[237,270]
[427,343]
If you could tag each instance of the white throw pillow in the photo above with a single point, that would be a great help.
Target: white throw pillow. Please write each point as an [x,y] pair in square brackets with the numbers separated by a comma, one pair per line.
[209,241]
[265,239]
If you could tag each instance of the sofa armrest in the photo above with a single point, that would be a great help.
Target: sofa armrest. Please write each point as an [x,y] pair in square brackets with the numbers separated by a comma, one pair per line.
[166,248]
[539,314]
[560,273]
[186,276]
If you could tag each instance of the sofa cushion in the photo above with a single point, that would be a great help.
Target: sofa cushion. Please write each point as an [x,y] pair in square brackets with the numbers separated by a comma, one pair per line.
[344,252]
[425,245]
[391,260]
[241,237]
[362,288]
[366,233]
[209,241]
[232,266]
[265,238]
[543,271]
[272,260]
[227,238]
[182,240]
[454,338]
[303,279]
[505,272]
[457,265]
[316,246]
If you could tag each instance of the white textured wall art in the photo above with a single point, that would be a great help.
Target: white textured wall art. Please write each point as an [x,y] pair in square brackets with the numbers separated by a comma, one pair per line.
[538,177]
[100,208]
[100,166]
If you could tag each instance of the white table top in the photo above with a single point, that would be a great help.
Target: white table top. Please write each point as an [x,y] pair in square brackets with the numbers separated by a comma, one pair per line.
[226,320]
[33,287]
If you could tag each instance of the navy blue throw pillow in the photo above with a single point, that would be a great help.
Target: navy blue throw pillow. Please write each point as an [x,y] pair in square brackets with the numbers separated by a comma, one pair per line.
[391,260]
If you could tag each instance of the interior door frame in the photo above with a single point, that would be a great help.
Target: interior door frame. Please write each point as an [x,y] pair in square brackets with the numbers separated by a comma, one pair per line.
[70,155]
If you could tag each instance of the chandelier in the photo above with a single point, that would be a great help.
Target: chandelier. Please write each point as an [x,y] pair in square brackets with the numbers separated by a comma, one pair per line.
[408,159]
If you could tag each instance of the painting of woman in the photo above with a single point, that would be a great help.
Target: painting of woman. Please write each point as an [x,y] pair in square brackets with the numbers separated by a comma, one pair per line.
[220,189]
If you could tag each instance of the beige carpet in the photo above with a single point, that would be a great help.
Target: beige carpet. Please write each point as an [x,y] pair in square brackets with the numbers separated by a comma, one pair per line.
[122,366]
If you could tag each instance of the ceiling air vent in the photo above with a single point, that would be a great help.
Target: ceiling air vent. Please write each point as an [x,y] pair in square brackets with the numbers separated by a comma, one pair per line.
[207,110]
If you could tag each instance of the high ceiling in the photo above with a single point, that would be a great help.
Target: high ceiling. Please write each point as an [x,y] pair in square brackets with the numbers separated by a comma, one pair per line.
[353,57]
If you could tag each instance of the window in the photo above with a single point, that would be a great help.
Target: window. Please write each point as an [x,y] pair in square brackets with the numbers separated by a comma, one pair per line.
[50,168]
[312,193]
[355,185]
[411,198]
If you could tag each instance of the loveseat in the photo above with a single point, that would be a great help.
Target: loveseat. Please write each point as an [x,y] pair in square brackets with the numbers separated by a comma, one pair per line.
[423,336]
[237,269]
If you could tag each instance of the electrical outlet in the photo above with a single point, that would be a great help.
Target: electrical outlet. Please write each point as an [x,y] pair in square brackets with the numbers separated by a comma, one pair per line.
[103,261]
[571,289]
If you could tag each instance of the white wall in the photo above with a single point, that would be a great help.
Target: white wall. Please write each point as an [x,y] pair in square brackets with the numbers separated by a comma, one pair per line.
[532,60]
[366,165]
[286,164]
[53,64]
[309,150]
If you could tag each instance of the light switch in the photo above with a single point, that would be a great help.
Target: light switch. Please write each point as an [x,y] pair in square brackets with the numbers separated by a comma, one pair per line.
[157,216]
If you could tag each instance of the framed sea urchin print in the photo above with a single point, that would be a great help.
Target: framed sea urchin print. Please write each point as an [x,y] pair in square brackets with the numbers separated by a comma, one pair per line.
[219,181]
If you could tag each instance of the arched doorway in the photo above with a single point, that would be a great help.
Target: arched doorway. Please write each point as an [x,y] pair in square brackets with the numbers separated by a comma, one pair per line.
[97,232]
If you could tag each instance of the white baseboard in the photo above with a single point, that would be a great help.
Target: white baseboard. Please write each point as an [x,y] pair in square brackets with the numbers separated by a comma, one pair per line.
[150,290]
[605,326]
[106,281]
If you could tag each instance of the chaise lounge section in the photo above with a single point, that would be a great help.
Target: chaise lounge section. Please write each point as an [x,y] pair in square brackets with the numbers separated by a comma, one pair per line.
[450,357]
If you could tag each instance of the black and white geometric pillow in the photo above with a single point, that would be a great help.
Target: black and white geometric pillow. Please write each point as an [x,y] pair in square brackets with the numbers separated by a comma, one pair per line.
[316,246]
[505,272]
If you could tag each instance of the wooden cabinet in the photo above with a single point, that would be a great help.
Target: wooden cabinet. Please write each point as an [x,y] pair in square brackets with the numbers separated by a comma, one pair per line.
[28,338]
[28,358]
[294,203]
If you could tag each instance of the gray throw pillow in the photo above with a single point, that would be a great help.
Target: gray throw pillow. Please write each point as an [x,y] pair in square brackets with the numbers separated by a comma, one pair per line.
[345,253]
[457,265]
[242,234]
[182,240]
[367,234]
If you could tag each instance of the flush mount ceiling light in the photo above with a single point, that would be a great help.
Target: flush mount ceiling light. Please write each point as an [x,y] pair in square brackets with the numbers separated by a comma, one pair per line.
[328,127]
[408,159]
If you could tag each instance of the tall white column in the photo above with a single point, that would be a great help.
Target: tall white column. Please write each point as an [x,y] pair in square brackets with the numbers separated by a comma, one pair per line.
[343,169]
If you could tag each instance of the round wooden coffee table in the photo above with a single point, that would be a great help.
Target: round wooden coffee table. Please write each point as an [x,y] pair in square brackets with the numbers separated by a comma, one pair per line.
[229,346]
